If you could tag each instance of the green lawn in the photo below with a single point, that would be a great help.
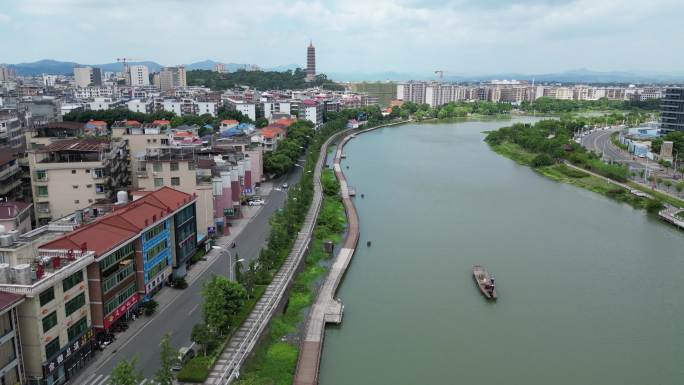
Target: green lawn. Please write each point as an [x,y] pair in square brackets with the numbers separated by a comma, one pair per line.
[514,152]
[660,196]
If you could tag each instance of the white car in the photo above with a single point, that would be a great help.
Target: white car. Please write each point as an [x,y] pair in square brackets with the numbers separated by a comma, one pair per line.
[256,202]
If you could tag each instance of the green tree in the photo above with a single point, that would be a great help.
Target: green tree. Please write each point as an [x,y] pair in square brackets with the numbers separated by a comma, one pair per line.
[202,336]
[261,122]
[679,187]
[168,359]
[223,300]
[124,373]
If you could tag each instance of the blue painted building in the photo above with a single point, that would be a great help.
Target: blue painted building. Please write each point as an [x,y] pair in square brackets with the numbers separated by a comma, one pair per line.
[157,256]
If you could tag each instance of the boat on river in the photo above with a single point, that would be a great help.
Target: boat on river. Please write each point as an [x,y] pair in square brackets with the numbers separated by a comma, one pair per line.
[484,281]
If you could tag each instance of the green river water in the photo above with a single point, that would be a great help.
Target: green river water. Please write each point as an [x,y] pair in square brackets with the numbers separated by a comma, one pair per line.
[590,290]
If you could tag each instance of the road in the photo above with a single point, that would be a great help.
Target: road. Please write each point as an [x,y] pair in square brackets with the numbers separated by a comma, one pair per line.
[599,142]
[184,311]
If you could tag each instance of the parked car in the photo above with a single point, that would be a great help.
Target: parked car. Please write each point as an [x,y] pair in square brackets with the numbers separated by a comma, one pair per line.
[185,354]
[257,202]
[285,186]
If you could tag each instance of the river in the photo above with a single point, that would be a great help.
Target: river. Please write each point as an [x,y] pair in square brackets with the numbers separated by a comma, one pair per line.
[590,290]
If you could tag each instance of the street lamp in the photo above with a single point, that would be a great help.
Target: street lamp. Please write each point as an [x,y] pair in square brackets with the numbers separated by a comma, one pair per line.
[231,264]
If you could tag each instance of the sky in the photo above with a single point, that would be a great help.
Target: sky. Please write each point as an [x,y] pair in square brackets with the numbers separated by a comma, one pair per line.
[367,36]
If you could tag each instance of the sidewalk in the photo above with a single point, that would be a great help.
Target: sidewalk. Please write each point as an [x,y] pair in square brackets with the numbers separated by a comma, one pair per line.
[168,295]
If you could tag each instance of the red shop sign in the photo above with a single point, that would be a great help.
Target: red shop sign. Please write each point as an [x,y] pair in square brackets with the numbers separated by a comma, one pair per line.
[121,310]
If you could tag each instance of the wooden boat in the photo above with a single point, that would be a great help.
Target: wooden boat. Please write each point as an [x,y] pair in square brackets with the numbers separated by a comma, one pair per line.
[484,281]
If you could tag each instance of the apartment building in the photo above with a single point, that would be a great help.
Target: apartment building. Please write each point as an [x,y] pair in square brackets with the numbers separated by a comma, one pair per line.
[11,130]
[312,111]
[672,110]
[172,77]
[54,318]
[10,175]
[176,167]
[11,357]
[71,174]
[138,76]
[87,76]
[238,104]
[7,73]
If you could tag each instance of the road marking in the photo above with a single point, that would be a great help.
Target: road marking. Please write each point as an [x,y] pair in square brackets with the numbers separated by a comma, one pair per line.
[193,309]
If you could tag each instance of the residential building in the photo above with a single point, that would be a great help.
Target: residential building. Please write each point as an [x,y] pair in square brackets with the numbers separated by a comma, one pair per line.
[172,77]
[83,76]
[7,73]
[15,216]
[383,92]
[271,136]
[10,175]
[42,109]
[54,319]
[176,167]
[310,63]
[104,104]
[245,108]
[137,105]
[11,357]
[138,76]
[312,111]
[71,174]
[11,135]
[672,110]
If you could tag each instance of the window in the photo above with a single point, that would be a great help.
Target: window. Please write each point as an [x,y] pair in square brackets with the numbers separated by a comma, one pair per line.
[158,182]
[75,186]
[99,188]
[52,348]
[41,175]
[156,269]
[99,173]
[156,230]
[42,191]
[119,299]
[47,296]
[87,170]
[157,166]
[73,171]
[174,166]
[175,181]
[164,141]
[116,256]
[89,186]
[72,280]
[77,329]
[110,282]
[74,304]
[191,165]
[148,141]
[76,201]
[156,249]
[50,321]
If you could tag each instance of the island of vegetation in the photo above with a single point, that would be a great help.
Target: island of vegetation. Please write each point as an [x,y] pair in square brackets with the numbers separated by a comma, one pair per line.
[262,80]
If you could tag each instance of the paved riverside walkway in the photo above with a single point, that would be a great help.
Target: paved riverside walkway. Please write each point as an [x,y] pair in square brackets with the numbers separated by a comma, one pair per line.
[242,342]
[327,308]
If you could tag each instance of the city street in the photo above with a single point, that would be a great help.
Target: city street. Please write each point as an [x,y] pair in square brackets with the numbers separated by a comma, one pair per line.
[181,311]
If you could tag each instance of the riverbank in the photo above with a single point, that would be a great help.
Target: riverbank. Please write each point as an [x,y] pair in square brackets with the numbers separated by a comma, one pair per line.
[583,179]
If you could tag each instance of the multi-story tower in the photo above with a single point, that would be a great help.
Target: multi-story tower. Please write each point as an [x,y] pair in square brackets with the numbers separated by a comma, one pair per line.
[672,110]
[172,77]
[310,63]
[138,75]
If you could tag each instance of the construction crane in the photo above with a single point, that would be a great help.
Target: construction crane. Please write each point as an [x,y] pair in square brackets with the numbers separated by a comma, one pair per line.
[125,61]
[441,74]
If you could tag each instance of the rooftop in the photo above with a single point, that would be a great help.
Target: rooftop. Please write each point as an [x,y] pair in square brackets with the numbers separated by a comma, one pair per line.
[85,145]
[9,300]
[123,224]
[9,210]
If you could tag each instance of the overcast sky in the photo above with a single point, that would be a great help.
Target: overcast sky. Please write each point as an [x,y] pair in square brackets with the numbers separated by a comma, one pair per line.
[461,36]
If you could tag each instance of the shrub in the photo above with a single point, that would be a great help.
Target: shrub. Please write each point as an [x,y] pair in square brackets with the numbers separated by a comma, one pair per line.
[542,160]
[150,307]
[654,206]
[196,370]
[180,283]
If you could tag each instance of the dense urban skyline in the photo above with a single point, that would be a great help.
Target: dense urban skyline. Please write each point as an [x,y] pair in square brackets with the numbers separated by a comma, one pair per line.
[460,36]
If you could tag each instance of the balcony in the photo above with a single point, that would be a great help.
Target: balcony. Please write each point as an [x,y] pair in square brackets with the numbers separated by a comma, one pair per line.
[5,188]
[9,171]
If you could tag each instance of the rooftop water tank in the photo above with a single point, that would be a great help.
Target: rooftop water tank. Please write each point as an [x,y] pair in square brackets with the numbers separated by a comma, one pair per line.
[14,234]
[5,273]
[6,240]
[22,274]
[121,197]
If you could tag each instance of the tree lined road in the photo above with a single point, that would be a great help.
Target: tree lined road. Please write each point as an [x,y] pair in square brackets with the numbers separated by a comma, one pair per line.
[599,142]
[184,311]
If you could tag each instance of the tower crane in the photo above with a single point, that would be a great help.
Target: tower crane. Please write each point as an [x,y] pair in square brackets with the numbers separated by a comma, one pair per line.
[125,61]
[441,73]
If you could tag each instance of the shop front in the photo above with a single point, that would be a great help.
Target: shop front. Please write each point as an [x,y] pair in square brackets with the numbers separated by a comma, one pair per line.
[69,360]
